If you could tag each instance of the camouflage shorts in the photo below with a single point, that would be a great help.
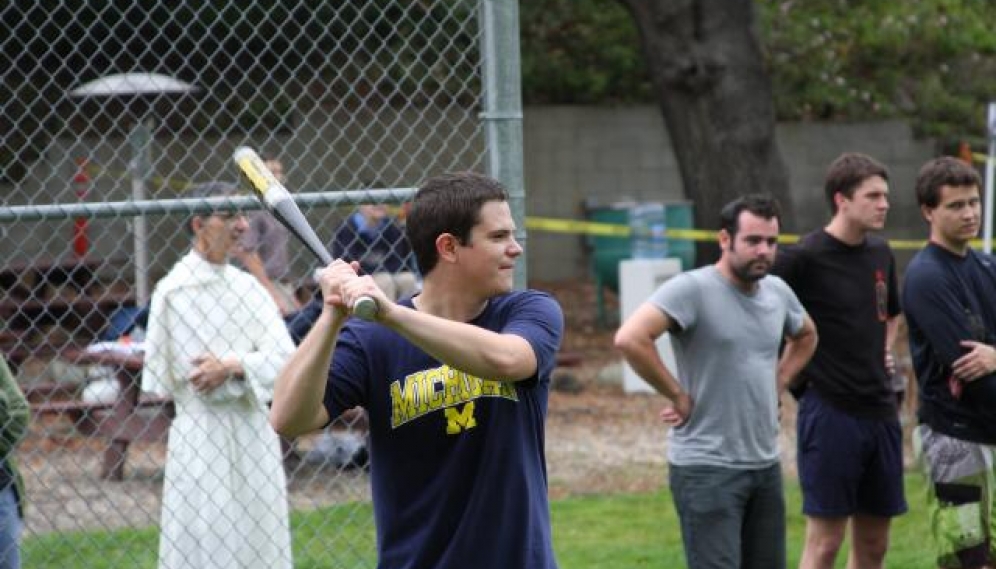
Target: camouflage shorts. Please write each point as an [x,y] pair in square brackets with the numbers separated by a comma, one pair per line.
[960,493]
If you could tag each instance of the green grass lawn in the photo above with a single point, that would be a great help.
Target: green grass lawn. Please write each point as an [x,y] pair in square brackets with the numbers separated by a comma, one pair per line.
[641,530]
[604,532]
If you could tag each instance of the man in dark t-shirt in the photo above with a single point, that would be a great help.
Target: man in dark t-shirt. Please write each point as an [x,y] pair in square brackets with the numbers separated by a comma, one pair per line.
[949,296]
[455,381]
[849,438]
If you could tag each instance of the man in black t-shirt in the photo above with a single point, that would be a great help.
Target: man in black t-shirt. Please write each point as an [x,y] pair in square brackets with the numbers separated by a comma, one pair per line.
[849,438]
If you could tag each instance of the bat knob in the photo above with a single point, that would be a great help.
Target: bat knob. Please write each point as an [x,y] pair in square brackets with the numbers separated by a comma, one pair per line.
[366,308]
[243,152]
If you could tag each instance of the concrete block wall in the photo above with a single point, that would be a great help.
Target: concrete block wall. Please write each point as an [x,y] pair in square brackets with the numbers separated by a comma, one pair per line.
[602,154]
[619,154]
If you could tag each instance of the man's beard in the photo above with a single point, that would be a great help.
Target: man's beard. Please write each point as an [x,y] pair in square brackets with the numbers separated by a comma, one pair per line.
[745,274]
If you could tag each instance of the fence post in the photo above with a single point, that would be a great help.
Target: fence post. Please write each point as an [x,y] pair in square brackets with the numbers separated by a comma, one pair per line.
[503,109]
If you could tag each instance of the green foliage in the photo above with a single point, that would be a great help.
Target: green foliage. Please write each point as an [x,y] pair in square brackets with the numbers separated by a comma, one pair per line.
[932,62]
[581,52]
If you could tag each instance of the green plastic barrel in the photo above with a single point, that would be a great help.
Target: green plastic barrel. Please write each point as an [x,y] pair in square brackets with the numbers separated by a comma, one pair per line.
[678,215]
[608,251]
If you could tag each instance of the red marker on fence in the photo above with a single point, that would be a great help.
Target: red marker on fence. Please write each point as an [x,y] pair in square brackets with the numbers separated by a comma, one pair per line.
[81,185]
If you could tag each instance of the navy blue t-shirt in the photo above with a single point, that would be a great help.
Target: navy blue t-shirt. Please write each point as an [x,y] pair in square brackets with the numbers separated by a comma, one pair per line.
[947,299]
[456,462]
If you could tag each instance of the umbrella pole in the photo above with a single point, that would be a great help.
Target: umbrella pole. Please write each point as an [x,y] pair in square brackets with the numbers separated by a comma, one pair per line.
[141,166]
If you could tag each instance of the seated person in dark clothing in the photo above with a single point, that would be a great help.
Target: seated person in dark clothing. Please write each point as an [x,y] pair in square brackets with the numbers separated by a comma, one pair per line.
[124,321]
[373,238]
[376,240]
[298,323]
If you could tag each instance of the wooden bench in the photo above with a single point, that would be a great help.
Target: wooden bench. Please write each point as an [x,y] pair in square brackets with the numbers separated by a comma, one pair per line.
[51,390]
[80,321]
[93,418]
[77,314]
[37,277]
[33,277]
[569,359]
[48,305]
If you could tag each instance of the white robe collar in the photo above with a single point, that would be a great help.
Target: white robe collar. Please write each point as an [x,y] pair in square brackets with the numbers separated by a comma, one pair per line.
[195,270]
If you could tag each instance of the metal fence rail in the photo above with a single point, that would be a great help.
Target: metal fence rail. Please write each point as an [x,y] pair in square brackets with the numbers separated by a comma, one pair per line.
[113,111]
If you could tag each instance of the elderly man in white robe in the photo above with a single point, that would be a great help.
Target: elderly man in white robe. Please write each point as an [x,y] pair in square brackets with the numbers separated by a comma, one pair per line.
[215,343]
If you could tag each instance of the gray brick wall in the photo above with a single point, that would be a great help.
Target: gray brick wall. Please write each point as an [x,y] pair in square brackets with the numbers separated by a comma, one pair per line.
[621,154]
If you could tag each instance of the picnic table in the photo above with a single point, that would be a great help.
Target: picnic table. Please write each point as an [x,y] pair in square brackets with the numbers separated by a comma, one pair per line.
[130,417]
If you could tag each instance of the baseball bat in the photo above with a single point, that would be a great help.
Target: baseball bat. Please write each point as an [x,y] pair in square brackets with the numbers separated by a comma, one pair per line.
[279,203]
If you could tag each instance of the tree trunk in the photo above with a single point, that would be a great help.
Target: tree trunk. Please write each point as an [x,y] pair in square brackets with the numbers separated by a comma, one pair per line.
[715,94]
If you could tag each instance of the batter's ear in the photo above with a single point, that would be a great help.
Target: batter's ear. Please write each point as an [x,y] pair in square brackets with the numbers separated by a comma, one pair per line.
[446,247]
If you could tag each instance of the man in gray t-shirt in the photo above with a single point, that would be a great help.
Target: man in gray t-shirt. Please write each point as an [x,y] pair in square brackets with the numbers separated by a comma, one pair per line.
[726,322]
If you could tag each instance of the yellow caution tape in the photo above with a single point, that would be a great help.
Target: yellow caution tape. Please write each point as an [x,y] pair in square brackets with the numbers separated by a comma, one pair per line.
[97,170]
[602,229]
[596,228]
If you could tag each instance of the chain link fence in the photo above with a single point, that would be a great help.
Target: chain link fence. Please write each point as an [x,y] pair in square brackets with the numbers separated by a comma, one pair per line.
[113,112]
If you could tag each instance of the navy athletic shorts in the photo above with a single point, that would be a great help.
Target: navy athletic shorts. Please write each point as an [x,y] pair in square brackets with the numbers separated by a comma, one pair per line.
[848,465]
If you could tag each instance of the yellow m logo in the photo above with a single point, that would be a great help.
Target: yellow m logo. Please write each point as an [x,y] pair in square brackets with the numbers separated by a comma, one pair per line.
[460,420]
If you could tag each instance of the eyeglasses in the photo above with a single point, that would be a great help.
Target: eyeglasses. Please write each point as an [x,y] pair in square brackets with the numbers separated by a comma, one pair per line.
[228,217]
